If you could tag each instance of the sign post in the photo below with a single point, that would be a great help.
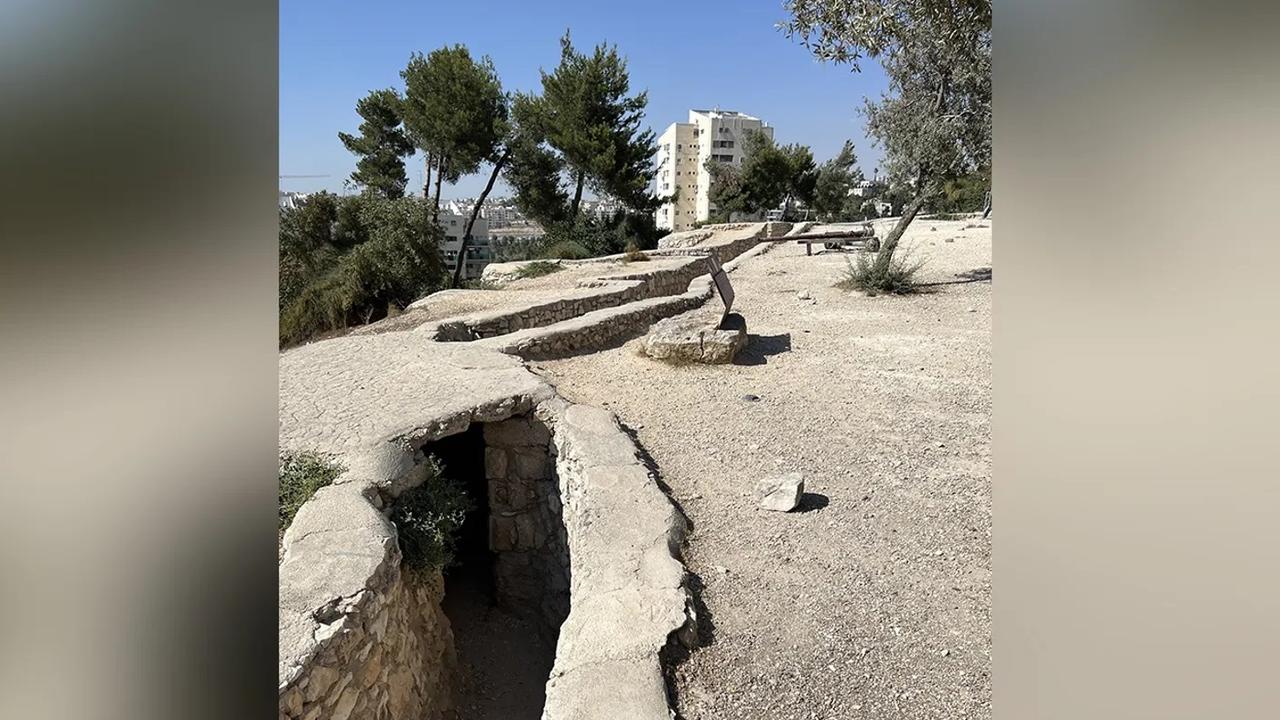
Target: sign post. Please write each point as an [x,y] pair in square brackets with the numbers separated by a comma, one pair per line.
[721,279]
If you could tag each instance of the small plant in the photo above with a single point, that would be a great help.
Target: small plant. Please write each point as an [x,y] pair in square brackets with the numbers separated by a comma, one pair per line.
[427,518]
[479,284]
[634,254]
[301,475]
[566,250]
[538,268]
[874,278]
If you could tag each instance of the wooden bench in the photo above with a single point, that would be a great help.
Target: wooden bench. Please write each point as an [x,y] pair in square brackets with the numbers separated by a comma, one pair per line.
[869,243]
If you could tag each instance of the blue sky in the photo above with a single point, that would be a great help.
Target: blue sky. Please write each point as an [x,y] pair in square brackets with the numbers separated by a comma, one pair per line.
[686,54]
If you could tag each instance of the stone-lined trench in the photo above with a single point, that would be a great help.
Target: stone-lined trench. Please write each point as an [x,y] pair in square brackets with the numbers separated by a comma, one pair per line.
[508,592]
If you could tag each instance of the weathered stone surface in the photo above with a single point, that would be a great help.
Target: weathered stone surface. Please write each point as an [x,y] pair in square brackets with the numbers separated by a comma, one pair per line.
[697,337]
[628,587]
[781,493]
[359,639]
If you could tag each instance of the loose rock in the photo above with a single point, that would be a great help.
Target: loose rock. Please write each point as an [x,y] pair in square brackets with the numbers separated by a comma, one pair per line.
[780,493]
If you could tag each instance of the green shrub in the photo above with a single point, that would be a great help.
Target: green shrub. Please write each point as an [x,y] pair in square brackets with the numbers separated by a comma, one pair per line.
[566,250]
[301,475]
[346,261]
[634,254]
[874,278]
[427,519]
[538,268]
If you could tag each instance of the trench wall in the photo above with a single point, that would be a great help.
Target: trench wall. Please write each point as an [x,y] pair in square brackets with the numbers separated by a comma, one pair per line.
[628,584]
[526,533]
[384,651]
[616,290]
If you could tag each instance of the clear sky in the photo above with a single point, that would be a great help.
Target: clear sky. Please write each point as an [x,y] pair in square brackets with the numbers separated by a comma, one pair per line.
[686,54]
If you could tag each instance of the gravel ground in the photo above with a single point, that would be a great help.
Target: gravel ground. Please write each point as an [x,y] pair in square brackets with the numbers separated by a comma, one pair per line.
[873,599]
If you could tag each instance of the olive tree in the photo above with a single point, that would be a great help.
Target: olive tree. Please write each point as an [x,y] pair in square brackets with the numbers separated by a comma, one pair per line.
[935,122]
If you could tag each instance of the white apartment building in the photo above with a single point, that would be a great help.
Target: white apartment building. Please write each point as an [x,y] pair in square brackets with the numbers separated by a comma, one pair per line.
[683,151]
[479,253]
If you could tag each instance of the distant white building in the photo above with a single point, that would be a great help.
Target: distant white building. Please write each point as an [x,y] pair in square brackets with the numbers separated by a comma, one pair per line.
[290,199]
[869,188]
[683,151]
[479,253]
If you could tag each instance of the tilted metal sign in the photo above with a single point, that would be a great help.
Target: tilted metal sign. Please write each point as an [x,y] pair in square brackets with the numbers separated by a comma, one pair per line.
[723,287]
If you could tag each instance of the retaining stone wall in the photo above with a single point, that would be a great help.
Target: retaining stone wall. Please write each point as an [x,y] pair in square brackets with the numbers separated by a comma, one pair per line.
[618,290]
[385,652]
[525,527]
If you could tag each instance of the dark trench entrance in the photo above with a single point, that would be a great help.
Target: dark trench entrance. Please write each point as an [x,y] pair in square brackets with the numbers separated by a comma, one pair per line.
[507,592]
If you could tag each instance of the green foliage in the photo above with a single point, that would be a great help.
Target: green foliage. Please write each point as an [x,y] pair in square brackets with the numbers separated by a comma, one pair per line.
[836,178]
[935,121]
[565,249]
[301,475]
[458,115]
[592,236]
[726,194]
[455,109]
[873,277]
[349,259]
[964,194]
[538,268]
[533,170]
[587,126]
[381,144]
[633,253]
[427,519]
[770,175]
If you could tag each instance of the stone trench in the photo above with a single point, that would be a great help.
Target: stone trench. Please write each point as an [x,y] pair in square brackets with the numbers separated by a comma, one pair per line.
[570,590]
[508,594]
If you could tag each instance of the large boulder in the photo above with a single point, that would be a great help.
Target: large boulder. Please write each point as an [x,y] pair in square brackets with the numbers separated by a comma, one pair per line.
[697,338]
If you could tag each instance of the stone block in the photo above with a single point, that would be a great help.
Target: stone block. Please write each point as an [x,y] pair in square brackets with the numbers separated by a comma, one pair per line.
[696,338]
[532,464]
[516,432]
[495,463]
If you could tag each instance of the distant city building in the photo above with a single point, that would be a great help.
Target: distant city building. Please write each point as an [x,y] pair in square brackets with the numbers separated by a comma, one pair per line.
[290,199]
[683,151]
[869,188]
[479,253]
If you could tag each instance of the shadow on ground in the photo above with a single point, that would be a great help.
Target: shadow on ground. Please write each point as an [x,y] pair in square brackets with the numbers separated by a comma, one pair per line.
[761,347]
[812,501]
[969,276]
[675,653]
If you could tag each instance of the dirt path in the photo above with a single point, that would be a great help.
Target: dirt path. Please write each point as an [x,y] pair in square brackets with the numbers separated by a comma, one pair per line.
[874,601]
[503,662]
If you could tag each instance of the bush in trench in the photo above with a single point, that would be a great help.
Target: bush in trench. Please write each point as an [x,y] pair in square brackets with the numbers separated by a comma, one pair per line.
[428,517]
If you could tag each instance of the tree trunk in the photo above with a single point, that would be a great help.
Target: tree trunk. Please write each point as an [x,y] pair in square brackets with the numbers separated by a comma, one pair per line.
[435,217]
[577,196]
[987,210]
[475,211]
[426,200]
[885,256]
[426,181]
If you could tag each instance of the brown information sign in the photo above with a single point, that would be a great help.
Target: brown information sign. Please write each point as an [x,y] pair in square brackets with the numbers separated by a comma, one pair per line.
[721,279]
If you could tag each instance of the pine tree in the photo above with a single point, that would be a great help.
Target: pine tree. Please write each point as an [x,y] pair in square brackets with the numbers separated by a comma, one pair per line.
[381,144]
[587,118]
[458,115]
[836,178]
